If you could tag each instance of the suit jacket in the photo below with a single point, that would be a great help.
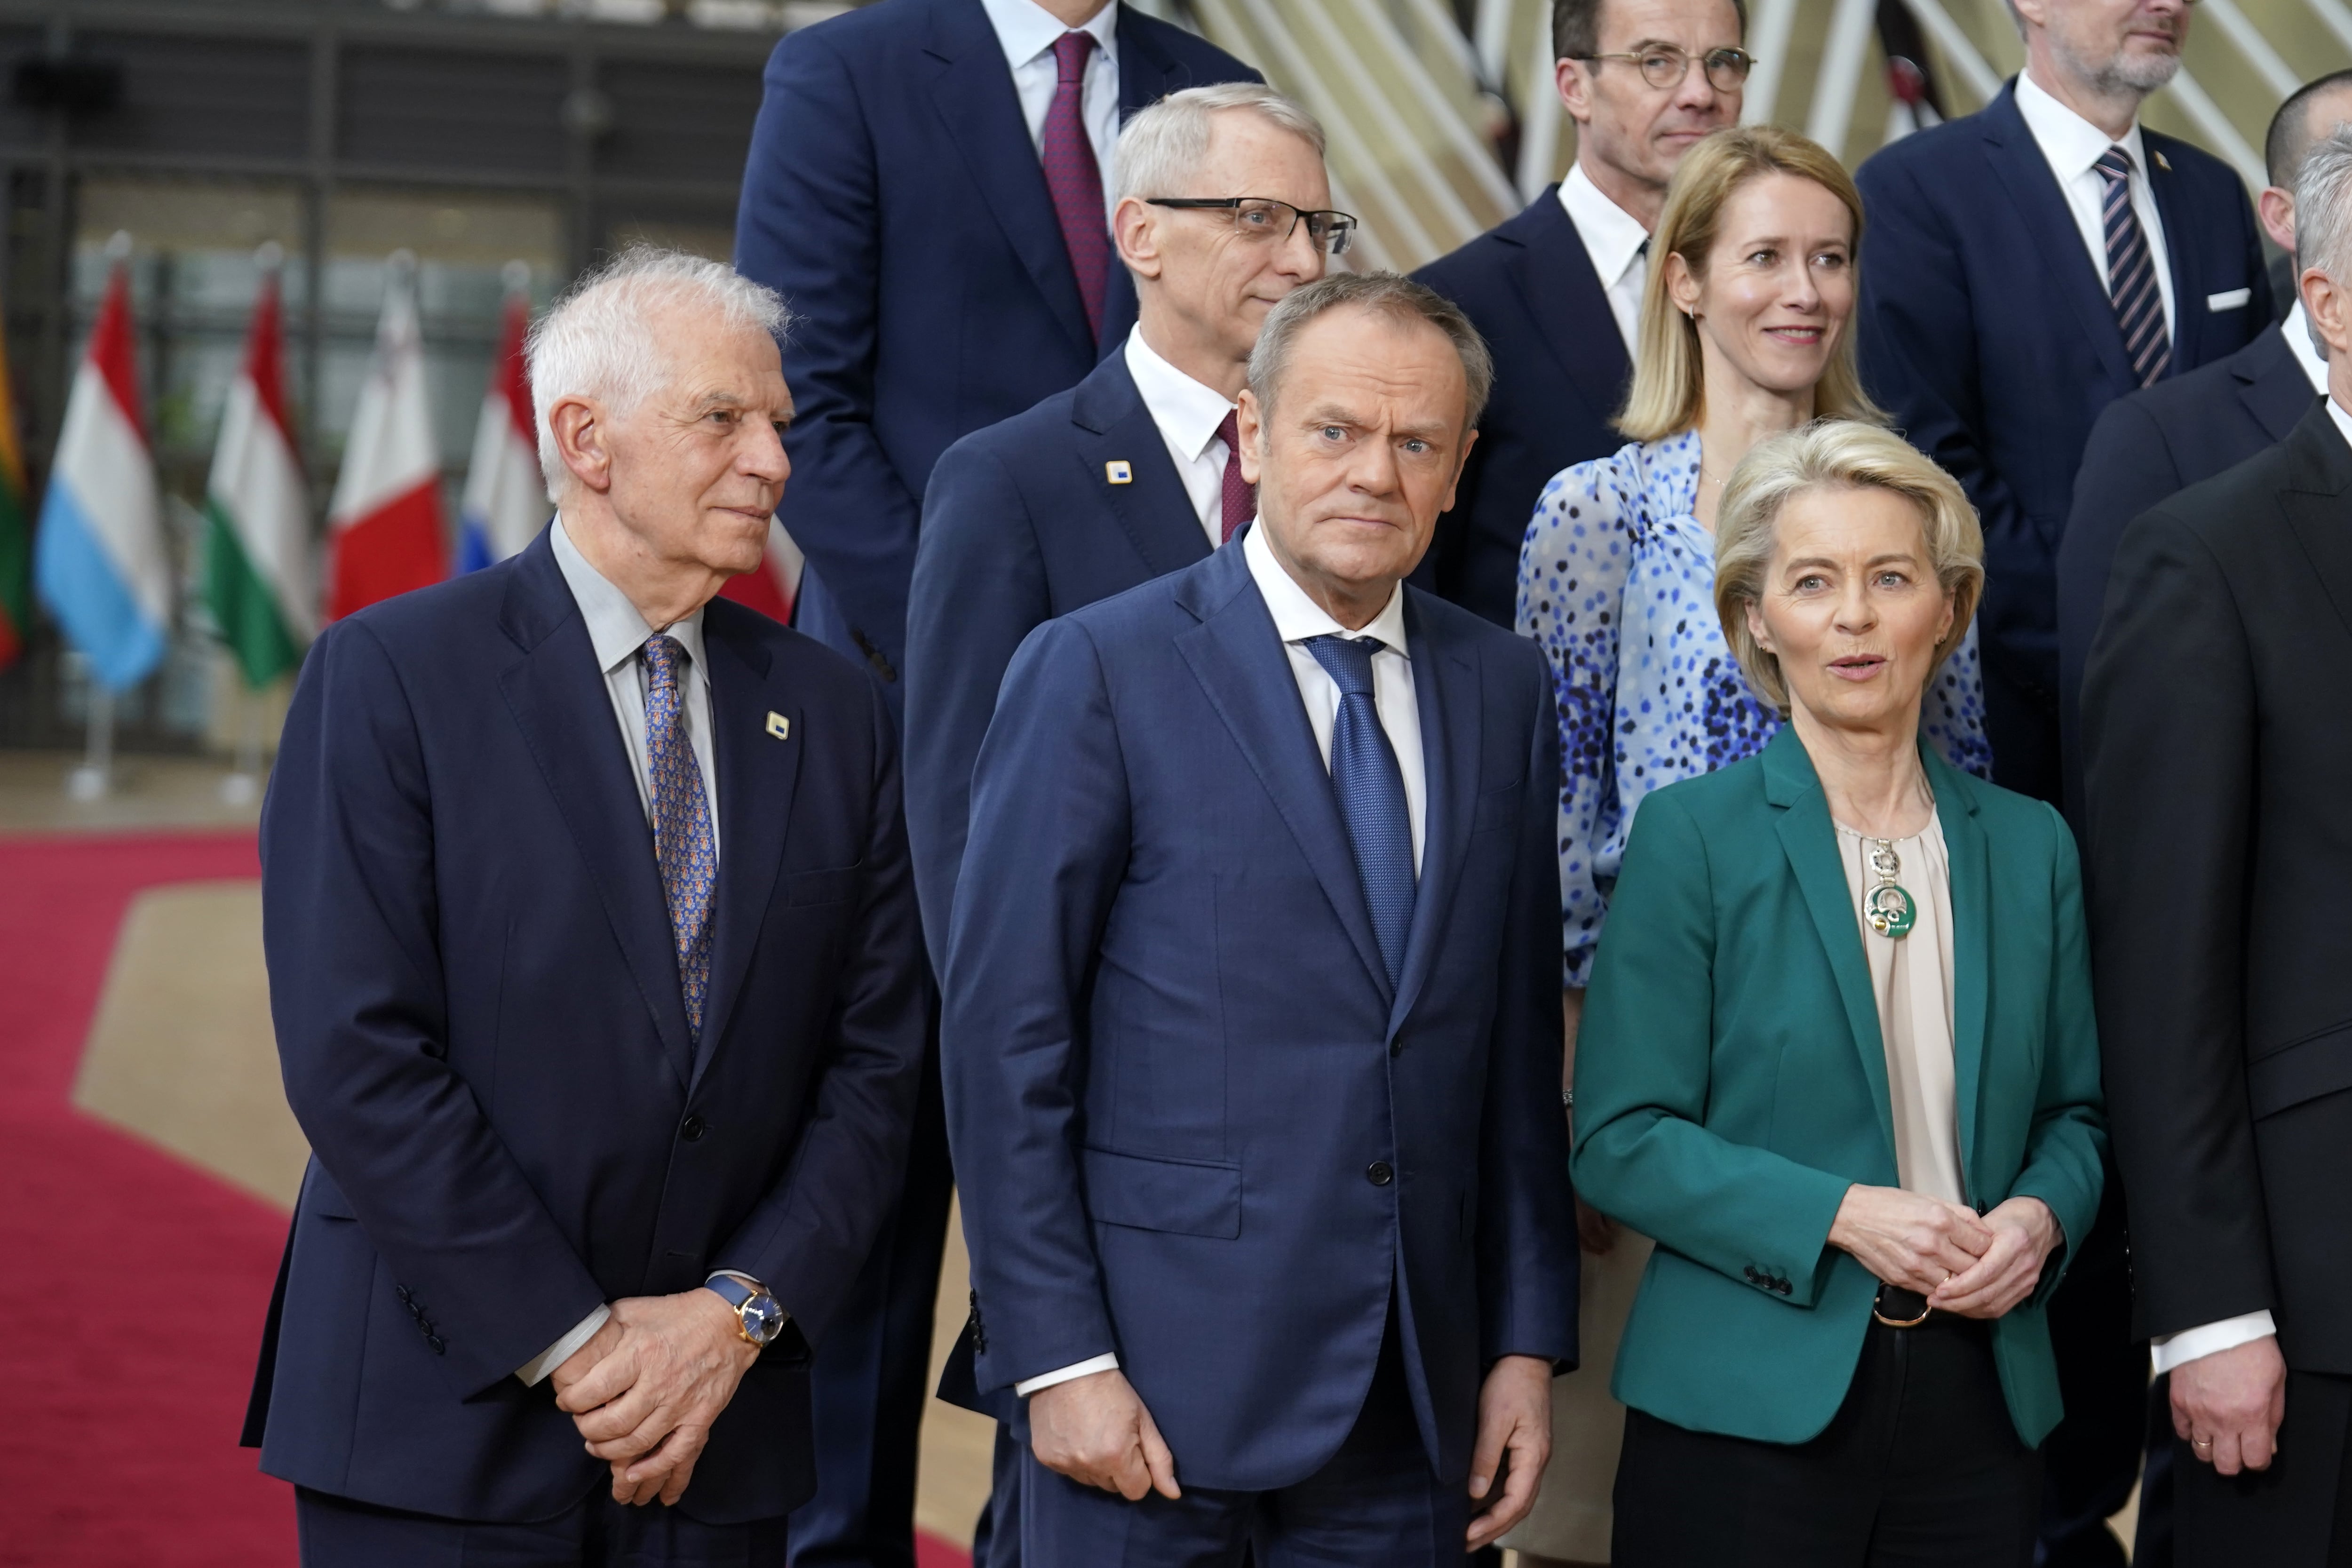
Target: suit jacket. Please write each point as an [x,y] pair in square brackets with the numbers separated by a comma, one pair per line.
[2148,447]
[2217,748]
[1022,523]
[1731,1084]
[475,994]
[1192,1123]
[895,198]
[1985,330]
[1560,370]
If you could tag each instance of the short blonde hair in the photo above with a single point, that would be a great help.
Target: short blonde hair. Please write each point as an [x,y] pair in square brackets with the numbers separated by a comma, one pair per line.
[1835,454]
[1669,390]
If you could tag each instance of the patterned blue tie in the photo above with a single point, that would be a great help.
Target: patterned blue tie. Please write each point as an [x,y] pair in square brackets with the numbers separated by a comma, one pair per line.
[1371,789]
[682,846]
[2131,273]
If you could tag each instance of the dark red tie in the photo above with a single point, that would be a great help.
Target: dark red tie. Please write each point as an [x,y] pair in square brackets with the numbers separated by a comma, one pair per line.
[1075,178]
[1241,495]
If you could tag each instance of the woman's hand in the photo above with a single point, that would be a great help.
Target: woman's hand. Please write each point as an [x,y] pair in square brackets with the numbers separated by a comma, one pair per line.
[2024,1233]
[1909,1239]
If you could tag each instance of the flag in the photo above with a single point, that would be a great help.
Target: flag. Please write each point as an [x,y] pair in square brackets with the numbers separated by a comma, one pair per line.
[256,511]
[384,523]
[506,497]
[16,531]
[98,558]
[773,586]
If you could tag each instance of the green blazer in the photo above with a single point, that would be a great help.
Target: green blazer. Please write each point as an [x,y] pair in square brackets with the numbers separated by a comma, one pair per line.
[1731,1084]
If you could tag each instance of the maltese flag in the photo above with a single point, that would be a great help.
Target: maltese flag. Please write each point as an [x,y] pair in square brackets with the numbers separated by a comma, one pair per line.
[384,523]
[506,497]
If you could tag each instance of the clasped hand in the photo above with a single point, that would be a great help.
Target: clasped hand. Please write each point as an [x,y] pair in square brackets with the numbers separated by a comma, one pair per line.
[645,1390]
[1964,1264]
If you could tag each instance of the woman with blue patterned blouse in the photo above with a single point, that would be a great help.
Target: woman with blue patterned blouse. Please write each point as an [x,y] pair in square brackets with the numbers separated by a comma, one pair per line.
[1746,332]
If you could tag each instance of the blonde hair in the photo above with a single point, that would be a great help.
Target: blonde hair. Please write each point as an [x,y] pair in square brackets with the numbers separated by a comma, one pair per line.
[1669,390]
[1835,454]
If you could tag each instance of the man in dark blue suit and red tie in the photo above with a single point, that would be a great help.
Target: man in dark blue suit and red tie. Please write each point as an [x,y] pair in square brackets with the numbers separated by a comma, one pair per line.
[599,990]
[2023,268]
[1252,1030]
[926,185]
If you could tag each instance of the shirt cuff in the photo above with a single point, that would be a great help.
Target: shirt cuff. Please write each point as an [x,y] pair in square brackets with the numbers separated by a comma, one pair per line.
[534,1371]
[2170,1351]
[1087,1368]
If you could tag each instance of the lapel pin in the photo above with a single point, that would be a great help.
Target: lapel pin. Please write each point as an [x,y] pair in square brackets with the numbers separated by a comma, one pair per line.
[780,727]
[2162,162]
[1120,471]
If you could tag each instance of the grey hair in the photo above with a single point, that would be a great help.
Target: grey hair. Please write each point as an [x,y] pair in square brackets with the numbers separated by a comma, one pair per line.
[1166,144]
[598,340]
[1388,293]
[2322,207]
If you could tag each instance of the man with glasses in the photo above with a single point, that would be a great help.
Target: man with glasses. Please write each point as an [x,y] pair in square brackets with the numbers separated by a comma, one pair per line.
[1557,290]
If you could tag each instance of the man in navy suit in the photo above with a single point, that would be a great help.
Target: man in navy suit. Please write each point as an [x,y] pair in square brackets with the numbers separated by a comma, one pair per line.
[926,185]
[1557,290]
[598,987]
[1251,1030]
[2155,444]
[2025,266]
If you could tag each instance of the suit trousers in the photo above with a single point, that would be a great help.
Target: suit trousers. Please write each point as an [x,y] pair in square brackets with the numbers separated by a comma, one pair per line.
[2298,1513]
[1374,1504]
[595,1533]
[1920,1467]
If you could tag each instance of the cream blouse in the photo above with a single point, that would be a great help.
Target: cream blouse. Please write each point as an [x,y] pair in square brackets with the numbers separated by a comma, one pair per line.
[1912,979]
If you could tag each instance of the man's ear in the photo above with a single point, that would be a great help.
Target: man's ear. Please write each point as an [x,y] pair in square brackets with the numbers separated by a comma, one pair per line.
[1574,81]
[1249,428]
[1135,230]
[581,434]
[2275,208]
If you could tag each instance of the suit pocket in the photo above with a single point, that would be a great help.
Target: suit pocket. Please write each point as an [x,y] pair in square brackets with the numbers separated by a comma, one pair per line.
[1185,1196]
[833,886]
[2304,1069]
[322,1197]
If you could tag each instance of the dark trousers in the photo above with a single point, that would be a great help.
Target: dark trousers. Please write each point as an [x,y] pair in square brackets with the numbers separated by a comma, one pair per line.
[596,1533]
[2091,1459]
[2022,723]
[1375,1504]
[869,1381]
[2298,1513]
[1920,1467]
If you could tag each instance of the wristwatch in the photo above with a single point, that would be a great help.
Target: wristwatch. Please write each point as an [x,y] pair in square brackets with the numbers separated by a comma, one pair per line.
[761,1319]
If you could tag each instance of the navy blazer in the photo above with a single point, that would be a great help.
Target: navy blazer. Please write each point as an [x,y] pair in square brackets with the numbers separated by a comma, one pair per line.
[1560,373]
[1192,1123]
[1023,522]
[2145,449]
[1985,330]
[476,1002]
[894,196]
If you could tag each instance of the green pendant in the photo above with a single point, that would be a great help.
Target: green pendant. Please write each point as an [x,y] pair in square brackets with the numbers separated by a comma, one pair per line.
[1890,911]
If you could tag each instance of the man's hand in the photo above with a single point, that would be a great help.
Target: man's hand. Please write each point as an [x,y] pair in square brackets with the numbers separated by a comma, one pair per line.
[2228,1405]
[2024,1233]
[1095,1430]
[1906,1238]
[1514,1417]
[646,1404]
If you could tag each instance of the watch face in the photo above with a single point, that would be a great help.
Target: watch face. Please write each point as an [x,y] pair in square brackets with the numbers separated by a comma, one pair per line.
[762,1318]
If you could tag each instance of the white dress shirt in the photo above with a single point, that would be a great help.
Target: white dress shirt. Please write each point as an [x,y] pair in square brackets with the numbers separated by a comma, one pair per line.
[2296,329]
[1188,414]
[617,631]
[1025,31]
[1615,240]
[2073,145]
[1297,618]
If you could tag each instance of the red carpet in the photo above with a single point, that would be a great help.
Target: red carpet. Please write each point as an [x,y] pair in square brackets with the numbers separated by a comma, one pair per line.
[132,1294]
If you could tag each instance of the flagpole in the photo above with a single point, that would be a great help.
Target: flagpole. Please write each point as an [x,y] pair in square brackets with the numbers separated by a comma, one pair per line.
[95,777]
[243,787]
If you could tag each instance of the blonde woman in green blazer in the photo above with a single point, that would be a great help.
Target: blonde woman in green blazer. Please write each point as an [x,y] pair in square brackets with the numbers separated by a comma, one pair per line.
[1838,1060]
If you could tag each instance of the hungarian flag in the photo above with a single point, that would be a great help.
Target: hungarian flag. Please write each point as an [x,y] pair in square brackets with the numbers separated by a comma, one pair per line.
[772,587]
[256,511]
[15,529]
[506,497]
[98,558]
[384,524]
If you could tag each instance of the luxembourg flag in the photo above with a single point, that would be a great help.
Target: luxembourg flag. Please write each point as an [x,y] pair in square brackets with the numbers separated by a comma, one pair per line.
[506,497]
[384,523]
[98,561]
[258,510]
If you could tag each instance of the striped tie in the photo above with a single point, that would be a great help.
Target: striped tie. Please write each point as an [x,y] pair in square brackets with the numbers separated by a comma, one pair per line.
[2131,273]
[682,846]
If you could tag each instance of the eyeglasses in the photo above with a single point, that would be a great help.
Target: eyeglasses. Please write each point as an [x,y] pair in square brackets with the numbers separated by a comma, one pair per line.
[1664,66]
[1263,218]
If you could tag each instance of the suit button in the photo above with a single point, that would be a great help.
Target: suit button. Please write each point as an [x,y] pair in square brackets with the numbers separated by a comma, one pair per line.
[1752,1277]
[439,1346]
[692,1128]
[401,1291]
[1396,1047]
[1380,1174]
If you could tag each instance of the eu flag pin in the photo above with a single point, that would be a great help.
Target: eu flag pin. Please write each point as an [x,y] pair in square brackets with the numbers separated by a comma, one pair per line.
[1120,471]
[780,727]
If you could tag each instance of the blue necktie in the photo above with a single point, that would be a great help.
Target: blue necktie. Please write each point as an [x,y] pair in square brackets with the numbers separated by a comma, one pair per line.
[2131,273]
[682,846]
[1371,789]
